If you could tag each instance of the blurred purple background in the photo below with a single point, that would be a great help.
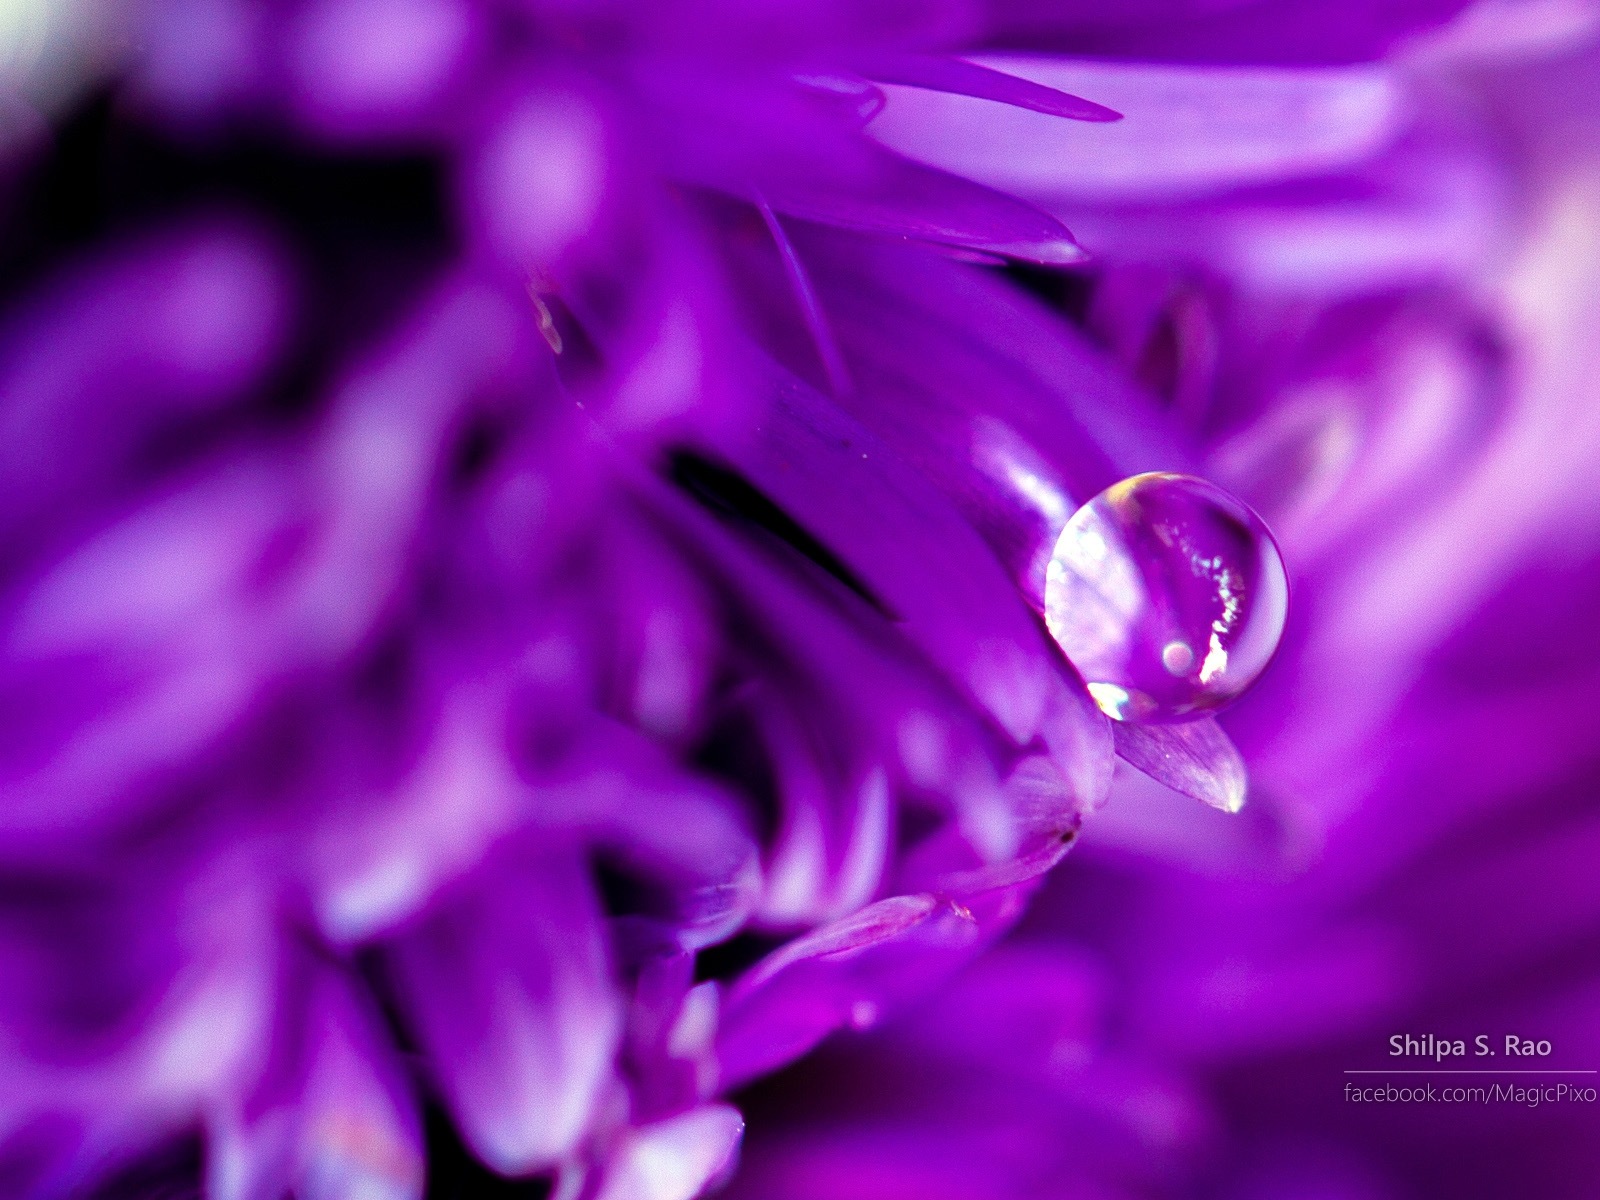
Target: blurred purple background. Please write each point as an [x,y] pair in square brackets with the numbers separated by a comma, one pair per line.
[530,596]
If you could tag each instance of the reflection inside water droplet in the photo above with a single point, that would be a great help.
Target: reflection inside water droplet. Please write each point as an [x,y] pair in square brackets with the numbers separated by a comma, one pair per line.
[1177,657]
[1168,595]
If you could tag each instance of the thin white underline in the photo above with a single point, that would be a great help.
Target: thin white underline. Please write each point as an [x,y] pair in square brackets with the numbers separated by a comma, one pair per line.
[1447,1071]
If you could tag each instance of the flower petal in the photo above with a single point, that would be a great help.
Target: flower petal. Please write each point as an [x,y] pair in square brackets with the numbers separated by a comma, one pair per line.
[1188,131]
[507,988]
[899,198]
[122,349]
[801,993]
[850,972]
[359,68]
[769,145]
[962,78]
[332,1117]
[995,400]
[1195,758]
[824,469]
[886,710]
[676,1159]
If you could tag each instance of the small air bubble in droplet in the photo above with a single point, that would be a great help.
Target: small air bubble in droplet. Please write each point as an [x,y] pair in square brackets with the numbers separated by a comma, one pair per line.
[1177,657]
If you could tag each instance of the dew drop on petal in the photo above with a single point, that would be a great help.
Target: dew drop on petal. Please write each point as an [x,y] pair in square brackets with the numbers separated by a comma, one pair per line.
[1168,595]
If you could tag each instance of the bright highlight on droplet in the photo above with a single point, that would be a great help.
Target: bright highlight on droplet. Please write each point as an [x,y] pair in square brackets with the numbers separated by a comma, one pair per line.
[1112,700]
[1168,595]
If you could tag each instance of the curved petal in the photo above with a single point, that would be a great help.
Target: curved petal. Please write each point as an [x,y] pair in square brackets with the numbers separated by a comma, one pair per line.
[1187,131]
[136,343]
[508,991]
[899,198]
[676,1159]
[850,972]
[963,78]
[885,705]
[1010,413]
[1195,758]
[917,557]
[331,1118]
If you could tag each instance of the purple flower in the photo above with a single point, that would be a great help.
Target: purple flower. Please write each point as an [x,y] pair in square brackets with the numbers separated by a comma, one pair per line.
[527,535]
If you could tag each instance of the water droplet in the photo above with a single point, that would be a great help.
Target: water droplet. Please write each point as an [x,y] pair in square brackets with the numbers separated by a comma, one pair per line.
[1168,595]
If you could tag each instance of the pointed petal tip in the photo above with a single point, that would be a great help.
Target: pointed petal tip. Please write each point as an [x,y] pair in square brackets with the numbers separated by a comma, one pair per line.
[1232,803]
[1195,758]
[960,77]
[1052,252]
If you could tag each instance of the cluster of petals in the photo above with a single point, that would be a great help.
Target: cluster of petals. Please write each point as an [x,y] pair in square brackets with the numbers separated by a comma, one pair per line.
[1389,352]
[536,673]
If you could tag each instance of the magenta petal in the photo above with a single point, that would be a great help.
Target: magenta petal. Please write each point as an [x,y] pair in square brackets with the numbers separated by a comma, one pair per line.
[852,94]
[333,1118]
[903,199]
[889,711]
[964,78]
[1195,758]
[378,858]
[510,995]
[357,68]
[157,634]
[676,1159]
[375,859]
[830,848]
[995,400]
[850,972]
[801,993]
[766,145]
[130,346]
[1187,131]
[136,650]
[671,1040]
[917,557]
[662,630]
[944,864]
[982,640]
[842,939]
[618,790]
[376,463]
